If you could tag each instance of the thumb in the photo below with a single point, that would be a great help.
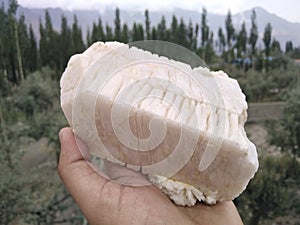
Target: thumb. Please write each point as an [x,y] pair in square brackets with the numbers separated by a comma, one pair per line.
[81,180]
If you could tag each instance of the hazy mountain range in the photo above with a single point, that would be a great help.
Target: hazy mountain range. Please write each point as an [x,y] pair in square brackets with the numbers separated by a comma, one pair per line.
[283,30]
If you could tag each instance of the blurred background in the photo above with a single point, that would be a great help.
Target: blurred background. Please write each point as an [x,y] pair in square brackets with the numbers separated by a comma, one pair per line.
[260,49]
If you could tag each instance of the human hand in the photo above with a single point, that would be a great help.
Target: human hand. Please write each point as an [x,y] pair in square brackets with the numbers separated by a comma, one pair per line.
[107,203]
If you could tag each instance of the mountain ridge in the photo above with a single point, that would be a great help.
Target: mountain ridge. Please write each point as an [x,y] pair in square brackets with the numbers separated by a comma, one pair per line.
[283,30]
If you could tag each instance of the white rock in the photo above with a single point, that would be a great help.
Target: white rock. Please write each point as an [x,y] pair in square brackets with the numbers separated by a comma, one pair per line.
[183,127]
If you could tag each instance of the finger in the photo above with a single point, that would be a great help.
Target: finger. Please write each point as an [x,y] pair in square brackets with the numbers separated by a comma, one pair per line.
[70,147]
[124,175]
[81,180]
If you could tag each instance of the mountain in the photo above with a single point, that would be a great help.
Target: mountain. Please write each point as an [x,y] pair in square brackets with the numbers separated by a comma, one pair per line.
[283,30]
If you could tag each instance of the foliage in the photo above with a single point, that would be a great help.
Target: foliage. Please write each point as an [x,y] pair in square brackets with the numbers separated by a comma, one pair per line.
[30,109]
[32,195]
[285,133]
[253,33]
[273,192]
[267,38]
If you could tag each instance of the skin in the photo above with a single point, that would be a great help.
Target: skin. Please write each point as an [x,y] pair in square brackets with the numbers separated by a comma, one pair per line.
[107,203]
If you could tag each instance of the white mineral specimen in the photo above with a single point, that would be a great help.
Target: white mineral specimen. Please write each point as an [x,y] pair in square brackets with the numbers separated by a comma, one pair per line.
[182,127]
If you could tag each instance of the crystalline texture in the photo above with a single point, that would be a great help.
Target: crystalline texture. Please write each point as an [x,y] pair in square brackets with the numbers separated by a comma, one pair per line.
[182,127]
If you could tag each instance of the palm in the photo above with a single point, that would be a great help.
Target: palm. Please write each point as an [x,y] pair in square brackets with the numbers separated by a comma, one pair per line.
[105,202]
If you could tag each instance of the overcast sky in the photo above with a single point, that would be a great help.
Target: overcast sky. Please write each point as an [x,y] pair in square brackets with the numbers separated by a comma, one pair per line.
[288,9]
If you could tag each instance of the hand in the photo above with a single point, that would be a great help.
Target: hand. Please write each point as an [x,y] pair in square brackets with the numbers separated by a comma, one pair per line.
[105,202]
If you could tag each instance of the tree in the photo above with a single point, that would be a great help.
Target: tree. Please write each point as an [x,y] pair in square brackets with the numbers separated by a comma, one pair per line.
[174,29]
[162,30]
[222,41]
[242,41]
[267,38]
[77,41]
[275,47]
[2,42]
[32,52]
[273,191]
[253,32]
[147,25]
[13,6]
[204,33]
[154,33]
[98,32]
[109,33]
[125,35]
[191,38]
[285,133]
[289,46]
[137,32]
[182,34]
[49,45]
[229,34]
[117,25]
[65,43]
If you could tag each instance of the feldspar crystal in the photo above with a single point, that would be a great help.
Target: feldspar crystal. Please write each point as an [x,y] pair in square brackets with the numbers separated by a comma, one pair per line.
[182,127]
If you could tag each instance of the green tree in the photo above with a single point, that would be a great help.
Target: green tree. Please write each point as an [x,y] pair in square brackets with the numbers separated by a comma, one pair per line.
[182,34]
[65,43]
[109,33]
[125,34]
[162,30]
[77,41]
[229,34]
[204,33]
[275,47]
[253,33]
[49,45]
[191,38]
[174,29]
[222,41]
[267,38]
[117,25]
[98,32]
[147,25]
[2,42]
[32,51]
[242,41]
[289,46]
[272,192]
[24,44]
[13,6]
[154,33]
[285,133]
[137,32]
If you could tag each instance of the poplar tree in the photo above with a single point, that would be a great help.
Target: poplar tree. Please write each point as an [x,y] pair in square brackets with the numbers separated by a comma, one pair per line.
[253,33]
[13,6]
[32,52]
[229,34]
[65,42]
[182,34]
[162,29]
[125,35]
[242,41]
[147,25]
[174,29]
[267,38]
[77,41]
[204,33]
[222,41]
[117,21]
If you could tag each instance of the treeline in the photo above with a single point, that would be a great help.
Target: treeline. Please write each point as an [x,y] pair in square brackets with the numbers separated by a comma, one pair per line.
[20,54]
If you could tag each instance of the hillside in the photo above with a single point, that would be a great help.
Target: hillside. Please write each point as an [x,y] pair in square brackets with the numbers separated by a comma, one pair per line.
[283,30]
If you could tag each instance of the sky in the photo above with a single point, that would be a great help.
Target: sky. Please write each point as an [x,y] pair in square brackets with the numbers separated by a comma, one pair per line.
[287,9]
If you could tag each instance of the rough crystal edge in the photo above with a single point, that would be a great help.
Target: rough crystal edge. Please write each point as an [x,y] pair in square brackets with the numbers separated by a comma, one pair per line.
[182,194]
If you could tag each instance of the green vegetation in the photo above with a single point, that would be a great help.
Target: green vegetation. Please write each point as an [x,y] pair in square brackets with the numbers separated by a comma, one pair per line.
[30,109]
